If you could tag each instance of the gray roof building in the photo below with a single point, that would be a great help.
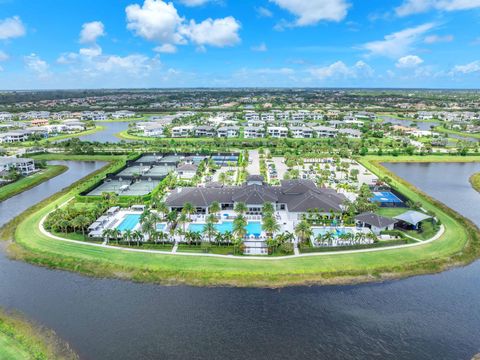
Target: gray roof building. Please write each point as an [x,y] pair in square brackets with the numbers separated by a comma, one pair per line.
[297,195]
[376,220]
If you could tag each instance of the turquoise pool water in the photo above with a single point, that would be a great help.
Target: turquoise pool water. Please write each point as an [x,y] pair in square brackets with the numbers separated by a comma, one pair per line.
[253,228]
[161,227]
[335,231]
[129,222]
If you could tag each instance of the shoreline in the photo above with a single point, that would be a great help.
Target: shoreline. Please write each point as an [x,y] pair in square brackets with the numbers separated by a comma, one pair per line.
[22,339]
[475,181]
[459,245]
[50,172]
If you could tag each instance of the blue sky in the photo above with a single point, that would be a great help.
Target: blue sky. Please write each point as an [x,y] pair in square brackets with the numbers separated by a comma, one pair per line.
[225,43]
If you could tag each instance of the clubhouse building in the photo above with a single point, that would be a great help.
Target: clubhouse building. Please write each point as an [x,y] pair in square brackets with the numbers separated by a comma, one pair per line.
[293,197]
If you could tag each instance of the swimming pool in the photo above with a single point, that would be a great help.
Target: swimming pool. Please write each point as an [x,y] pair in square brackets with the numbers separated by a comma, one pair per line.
[129,222]
[253,227]
[161,227]
[335,231]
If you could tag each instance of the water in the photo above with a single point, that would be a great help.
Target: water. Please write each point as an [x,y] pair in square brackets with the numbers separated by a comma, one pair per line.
[424,126]
[19,203]
[107,135]
[129,222]
[407,122]
[253,227]
[425,317]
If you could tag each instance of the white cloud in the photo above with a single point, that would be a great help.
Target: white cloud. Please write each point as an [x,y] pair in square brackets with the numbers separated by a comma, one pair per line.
[409,61]
[410,7]
[263,12]
[155,21]
[260,48]
[194,2]
[339,70]
[310,12]
[67,58]
[36,65]
[11,28]
[432,39]
[91,32]
[218,32]
[3,56]
[166,49]
[134,64]
[399,43]
[467,68]
[92,51]
[160,22]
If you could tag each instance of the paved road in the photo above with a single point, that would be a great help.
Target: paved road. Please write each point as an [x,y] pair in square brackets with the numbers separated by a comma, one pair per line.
[253,167]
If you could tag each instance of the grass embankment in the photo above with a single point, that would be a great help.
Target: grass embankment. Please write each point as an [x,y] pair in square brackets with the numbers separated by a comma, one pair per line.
[458,245]
[20,340]
[31,181]
[455,132]
[475,181]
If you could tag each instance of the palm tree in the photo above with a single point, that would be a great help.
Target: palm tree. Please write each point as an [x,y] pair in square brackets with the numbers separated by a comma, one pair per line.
[303,231]
[223,178]
[237,243]
[214,208]
[137,235]
[239,225]
[189,209]
[328,237]
[127,236]
[210,230]
[228,237]
[219,238]
[182,220]
[240,208]
[172,217]
[107,234]
[116,234]
[270,225]
[268,209]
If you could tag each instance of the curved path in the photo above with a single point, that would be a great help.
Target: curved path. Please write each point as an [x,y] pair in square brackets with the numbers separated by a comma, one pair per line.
[50,235]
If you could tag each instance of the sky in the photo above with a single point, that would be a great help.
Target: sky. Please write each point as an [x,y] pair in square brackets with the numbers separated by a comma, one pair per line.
[58,44]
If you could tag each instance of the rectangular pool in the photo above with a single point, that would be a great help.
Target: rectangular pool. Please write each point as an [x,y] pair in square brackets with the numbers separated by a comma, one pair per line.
[253,227]
[129,222]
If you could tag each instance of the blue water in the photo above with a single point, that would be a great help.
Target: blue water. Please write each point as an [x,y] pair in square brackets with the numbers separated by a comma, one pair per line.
[160,227]
[253,228]
[129,222]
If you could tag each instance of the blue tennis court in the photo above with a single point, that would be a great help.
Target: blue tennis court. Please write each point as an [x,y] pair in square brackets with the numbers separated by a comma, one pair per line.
[385,197]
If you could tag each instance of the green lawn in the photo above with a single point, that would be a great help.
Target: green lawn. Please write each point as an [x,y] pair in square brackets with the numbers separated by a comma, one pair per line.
[459,244]
[391,211]
[30,181]
[10,349]
[475,181]
[456,132]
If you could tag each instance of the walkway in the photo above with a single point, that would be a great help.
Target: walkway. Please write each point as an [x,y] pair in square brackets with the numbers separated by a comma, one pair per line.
[231,257]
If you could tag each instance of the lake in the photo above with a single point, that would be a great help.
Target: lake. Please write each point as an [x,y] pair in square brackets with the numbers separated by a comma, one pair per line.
[424,317]
[108,134]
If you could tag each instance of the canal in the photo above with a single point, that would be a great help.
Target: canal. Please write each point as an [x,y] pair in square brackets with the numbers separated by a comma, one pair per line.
[424,317]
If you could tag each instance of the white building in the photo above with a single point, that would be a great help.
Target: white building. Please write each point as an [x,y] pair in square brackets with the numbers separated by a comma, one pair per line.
[182,131]
[23,165]
[277,131]
[250,132]
[228,131]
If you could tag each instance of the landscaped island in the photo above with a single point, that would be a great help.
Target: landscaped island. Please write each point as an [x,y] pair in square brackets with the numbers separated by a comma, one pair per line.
[297,255]
[20,340]
[30,181]
[475,181]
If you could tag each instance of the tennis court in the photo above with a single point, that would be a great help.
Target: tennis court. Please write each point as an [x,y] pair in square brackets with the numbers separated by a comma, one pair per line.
[385,197]
[140,188]
[109,186]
